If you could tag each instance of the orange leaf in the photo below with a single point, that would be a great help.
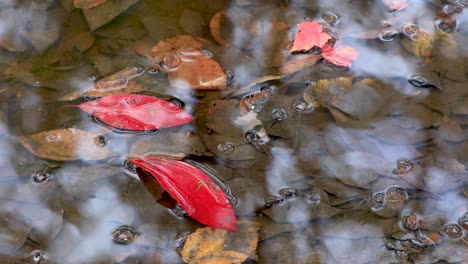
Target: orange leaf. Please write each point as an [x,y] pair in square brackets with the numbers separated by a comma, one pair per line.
[341,55]
[310,34]
[396,5]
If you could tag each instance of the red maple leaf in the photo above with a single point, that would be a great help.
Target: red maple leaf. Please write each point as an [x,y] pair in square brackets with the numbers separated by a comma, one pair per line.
[310,34]
[396,5]
[341,55]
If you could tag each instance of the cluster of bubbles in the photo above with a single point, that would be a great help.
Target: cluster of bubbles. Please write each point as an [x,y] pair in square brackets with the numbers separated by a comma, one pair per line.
[448,21]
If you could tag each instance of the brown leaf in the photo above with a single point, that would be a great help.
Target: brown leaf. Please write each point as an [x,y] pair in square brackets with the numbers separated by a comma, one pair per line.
[218,246]
[298,63]
[172,45]
[421,45]
[215,28]
[450,130]
[65,144]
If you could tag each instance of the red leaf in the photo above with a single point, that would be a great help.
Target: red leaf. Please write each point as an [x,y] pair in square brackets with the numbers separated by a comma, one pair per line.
[341,55]
[136,112]
[396,5]
[196,193]
[309,35]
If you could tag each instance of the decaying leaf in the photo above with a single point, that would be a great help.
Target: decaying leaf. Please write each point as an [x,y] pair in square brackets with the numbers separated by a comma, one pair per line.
[66,144]
[217,246]
[215,28]
[87,4]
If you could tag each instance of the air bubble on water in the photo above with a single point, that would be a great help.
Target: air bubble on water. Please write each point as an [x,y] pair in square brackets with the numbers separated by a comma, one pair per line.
[453,231]
[417,81]
[41,176]
[310,83]
[227,147]
[129,168]
[251,136]
[100,141]
[279,114]
[270,89]
[288,192]
[334,41]
[92,78]
[410,30]
[37,84]
[230,76]
[152,71]
[255,101]
[301,106]
[179,211]
[403,166]
[313,198]
[37,257]
[331,18]
[452,9]
[52,137]
[410,221]
[447,25]
[463,221]
[124,235]
[171,62]
[377,200]
[385,24]
[207,53]
[388,34]
[272,200]
[139,70]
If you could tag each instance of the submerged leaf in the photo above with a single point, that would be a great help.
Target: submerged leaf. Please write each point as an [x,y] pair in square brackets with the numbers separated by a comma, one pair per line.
[310,35]
[196,192]
[396,5]
[341,55]
[105,12]
[65,144]
[214,246]
[136,112]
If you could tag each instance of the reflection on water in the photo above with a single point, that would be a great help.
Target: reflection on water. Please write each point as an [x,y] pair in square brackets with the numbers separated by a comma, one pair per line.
[352,151]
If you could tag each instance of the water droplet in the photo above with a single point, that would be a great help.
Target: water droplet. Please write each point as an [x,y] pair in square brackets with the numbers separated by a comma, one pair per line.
[388,34]
[52,137]
[447,25]
[92,78]
[207,53]
[288,192]
[452,9]
[179,211]
[453,231]
[100,141]
[331,18]
[255,101]
[313,198]
[410,30]
[230,76]
[37,257]
[272,200]
[279,114]
[251,136]
[124,235]
[270,89]
[418,81]
[41,176]
[410,221]
[377,200]
[37,84]
[227,147]
[403,166]
[299,106]
[463,221]
[152,71]
[129,168]
[385,24]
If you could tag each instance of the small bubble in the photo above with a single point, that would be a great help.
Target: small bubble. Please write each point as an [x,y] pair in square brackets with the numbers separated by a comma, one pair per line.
[177,102]
[334,40]
[124,235]
[310,83]
[129,168]
[230,76]
[37,257]
[385,24]
[418,81]
[299,106]
[395,198]
[288,192]
[447,25]
[152,71]
[227,147]
[453,231]
[331,18]
[463,221]
[171,61]
[377,200]
[314,198]
[410,221]
[270,89]
[251,136]
[52,137]
[272,200]
[138,69]
[41,176]
[179,211]
[452,9]
[388,34]
[410,30]
[37,84]
[255,101]
[100,141]
[207,53]
[279,114]
[404,166]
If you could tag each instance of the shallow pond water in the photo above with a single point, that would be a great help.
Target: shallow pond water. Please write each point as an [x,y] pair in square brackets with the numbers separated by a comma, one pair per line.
[336,130]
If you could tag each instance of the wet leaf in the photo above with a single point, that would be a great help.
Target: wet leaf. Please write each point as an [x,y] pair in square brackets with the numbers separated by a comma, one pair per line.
[136,112]
[168,47]
[87,4]
[123,27]
[310,35]
[192,22]
[65,144]
[215,28]
[396,5]
[298,63]
[450,130]
[421,45]
[341,55]
[215,246]
[104,13]
[446,57]
[196,193]
[79,43]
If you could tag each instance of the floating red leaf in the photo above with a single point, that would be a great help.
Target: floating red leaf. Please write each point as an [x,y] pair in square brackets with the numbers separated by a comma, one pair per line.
[196,193]
[310,34]
[341,55]
[396,5]
[136,112]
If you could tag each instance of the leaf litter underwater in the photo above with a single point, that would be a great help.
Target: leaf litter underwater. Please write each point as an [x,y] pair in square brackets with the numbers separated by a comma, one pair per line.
[138,131]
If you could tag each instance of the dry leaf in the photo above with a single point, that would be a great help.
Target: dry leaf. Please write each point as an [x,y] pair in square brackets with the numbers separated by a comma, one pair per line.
[218,246]
[66,144]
